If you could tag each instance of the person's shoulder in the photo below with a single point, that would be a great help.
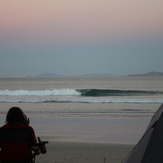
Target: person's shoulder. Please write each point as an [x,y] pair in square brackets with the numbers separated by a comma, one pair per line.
[30,127]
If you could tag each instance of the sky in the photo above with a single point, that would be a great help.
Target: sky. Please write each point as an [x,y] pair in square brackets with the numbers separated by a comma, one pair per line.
[75,37]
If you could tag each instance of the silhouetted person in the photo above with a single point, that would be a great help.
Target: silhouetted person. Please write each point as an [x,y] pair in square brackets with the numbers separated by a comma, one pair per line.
[17,138]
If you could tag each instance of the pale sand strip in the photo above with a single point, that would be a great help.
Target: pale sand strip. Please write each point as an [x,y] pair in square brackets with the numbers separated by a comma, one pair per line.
[68,152]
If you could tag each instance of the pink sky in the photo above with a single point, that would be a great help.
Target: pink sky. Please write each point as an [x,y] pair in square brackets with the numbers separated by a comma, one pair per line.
[65,36]
[82,18]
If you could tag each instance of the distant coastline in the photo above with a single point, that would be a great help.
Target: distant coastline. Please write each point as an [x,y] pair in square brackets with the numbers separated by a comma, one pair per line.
[51,75]
[154,73]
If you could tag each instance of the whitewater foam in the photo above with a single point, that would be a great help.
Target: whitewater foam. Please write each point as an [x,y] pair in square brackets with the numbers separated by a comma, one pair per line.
[54,92]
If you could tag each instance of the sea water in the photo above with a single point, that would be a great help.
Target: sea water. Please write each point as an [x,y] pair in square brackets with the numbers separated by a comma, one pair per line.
[105,109]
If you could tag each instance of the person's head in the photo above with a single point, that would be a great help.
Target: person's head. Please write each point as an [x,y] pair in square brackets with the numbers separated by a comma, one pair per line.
[15,116]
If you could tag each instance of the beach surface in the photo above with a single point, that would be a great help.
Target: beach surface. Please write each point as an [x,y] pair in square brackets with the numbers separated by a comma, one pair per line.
[83,137]
[75,152]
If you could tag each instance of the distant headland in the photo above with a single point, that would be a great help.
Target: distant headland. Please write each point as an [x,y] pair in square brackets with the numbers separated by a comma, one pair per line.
[154,73]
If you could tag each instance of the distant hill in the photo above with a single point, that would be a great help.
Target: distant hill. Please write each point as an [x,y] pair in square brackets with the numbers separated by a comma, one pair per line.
[51,75]
[48,75]
[154,73]
[96,75]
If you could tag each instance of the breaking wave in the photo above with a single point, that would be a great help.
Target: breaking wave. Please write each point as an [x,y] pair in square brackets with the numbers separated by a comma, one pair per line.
[78,92]
[80,96]
[110,92]
[54,92]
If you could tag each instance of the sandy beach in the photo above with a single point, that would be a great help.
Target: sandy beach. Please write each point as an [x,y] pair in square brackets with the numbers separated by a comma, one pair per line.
[70,152]
[92,138]
[82,139]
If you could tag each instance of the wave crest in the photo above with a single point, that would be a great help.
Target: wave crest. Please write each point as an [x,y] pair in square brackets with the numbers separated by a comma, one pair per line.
[54,92]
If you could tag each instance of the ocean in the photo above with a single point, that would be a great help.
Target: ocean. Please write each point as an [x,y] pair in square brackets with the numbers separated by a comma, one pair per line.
[95,109]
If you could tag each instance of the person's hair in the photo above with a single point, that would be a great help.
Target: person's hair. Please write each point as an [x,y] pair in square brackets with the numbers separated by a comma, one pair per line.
[15,116]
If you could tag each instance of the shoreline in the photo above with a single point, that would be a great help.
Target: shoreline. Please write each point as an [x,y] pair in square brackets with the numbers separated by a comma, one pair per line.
[135,110]
[83,127]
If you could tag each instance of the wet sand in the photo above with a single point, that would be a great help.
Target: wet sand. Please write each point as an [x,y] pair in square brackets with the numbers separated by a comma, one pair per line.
[82,127]
[83,137]
[70,152]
